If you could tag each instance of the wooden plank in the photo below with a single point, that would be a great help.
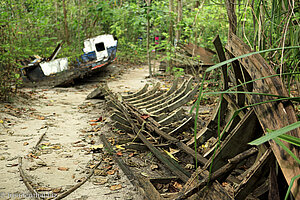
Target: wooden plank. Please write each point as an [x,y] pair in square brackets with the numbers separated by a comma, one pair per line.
[150,191]
[221,55]
[271,116]
[255,175]
[213,192]
[201,177]
[143,184]
[247,130]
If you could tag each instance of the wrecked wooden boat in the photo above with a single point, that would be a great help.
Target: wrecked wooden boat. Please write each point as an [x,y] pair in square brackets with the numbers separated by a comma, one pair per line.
[98,52]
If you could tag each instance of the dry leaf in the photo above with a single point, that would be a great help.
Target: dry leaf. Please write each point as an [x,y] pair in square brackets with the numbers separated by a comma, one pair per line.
[63,168]
[99,146]
[177,185]
[56,190]
[40,117]
[25,143]
[145,116]
[115,187]
[100,181]
[153,167]
[120,147]
[130,155]
[43,189]
[169,154]
[119,153]
[94,124]
[31,155]
[79,145]
[111,172]
[100,119]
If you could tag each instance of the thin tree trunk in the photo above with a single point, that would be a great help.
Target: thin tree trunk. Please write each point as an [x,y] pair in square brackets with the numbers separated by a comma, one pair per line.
[179,18]
[170,40]
[148,37]
[66,22]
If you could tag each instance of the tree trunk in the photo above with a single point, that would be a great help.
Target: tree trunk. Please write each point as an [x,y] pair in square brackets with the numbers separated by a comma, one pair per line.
[148,37]
[66,22]
[179,18]
[170,40]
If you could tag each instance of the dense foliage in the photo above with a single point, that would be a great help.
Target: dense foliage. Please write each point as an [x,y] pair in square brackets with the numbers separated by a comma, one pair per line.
[34,27]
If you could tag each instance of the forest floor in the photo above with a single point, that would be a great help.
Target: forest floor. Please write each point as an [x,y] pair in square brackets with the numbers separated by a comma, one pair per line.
[67,126]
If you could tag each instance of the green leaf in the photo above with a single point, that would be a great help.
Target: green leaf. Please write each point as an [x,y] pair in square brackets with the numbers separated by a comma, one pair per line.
[290,186]
[246,55]
[290,139]
[275,134]
[286,149]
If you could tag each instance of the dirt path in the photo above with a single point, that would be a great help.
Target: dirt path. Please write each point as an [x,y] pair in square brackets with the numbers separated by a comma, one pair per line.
[63,157]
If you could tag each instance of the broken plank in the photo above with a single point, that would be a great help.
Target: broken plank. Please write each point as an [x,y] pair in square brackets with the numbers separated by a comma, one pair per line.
[246,130]
[272,116]
[201,177]
[215,191]
[256,173]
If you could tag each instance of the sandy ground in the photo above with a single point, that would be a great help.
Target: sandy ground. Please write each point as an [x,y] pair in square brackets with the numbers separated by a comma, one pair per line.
[64,155]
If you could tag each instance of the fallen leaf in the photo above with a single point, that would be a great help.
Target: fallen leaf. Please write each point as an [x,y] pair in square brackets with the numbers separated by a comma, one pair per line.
[173,151]
[145,116]
[94,124]
[79,145]
[46,143]
[111,172]
[144,174]
[43,189]
[55,147]
[31,155]
[63,168]
[12,165]
[119,153]
[56,190]
[120,147]
[40,117]
[1,121]
[100,181]
[130,155]
[100,119]
[153,167]
[169,154]
[25,143]
[115,187]
[99,146]
[177,185]
[77,142]
[224,184]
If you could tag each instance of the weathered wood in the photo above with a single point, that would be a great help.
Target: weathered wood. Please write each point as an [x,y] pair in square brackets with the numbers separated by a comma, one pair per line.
[119,161]
[246,130]
[273,186]
[271,116]
[227,106]
[191,152]
[146,94]
[26,181]
[174,105]
[150,191]
[254,176]
[213,192]
[144,186]
[141,91]
[169,162]
[96,94]
[221,55]
[200,177]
